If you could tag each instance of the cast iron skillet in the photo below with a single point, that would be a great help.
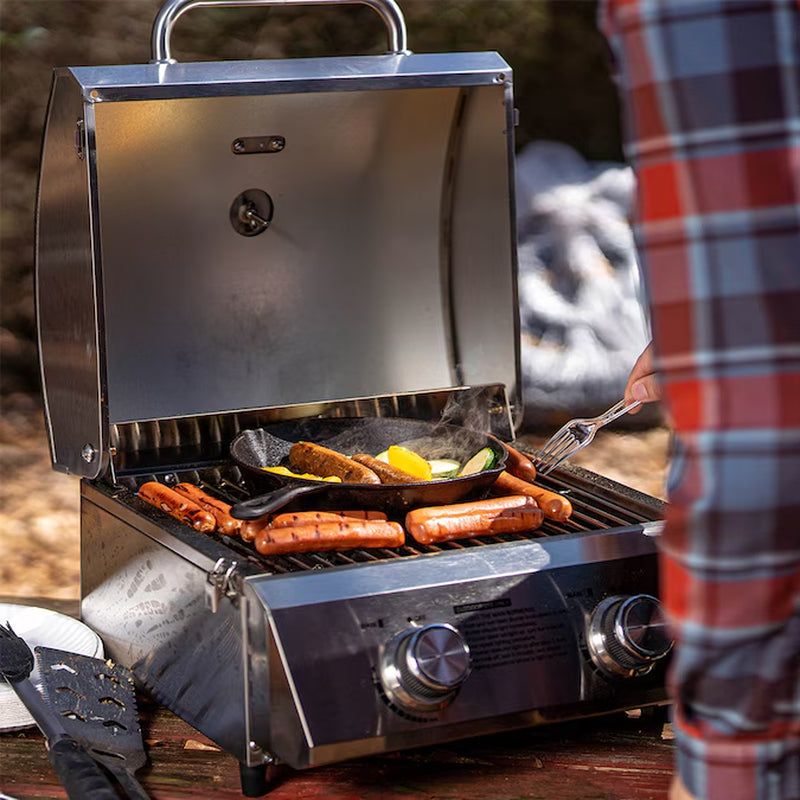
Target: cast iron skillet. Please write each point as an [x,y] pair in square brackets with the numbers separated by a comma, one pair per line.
[269,447]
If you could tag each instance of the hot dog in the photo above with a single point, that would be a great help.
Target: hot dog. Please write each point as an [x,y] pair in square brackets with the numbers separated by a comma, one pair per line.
[466,526]
[299,518]
[480,518]
[329,536]
[178,506]
[386,472]
[520,465]
[488,506]
[252,527]
[555,506]
[218,508]
[310,457]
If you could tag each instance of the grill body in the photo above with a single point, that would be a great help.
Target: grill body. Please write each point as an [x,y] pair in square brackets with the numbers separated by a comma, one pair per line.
[281,657]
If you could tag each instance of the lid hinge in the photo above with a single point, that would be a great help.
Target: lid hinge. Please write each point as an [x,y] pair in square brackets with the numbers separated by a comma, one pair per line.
[222,581]
[80,138]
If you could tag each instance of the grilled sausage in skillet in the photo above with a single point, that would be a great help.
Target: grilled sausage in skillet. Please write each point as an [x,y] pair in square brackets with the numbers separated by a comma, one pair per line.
[178,506]
[319,460]
[386,472]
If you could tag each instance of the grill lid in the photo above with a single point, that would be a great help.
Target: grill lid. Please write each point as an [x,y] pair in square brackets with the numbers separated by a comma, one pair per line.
[264,234]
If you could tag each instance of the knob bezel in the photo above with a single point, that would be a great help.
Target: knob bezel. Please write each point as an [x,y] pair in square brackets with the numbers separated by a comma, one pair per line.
[611,647]
[405,681]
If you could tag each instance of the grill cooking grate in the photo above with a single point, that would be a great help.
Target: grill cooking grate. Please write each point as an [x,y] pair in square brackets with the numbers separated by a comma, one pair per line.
[593,509]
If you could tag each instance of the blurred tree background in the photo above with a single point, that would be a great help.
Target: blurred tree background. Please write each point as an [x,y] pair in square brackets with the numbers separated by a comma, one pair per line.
[562,86]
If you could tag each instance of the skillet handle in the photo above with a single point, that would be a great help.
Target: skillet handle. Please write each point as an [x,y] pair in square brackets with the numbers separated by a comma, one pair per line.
[262,504]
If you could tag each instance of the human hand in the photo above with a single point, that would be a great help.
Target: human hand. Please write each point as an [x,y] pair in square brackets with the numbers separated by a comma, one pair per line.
[642,382]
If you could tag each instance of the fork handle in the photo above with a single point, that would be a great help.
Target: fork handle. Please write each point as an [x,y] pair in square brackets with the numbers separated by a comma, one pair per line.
[619,410]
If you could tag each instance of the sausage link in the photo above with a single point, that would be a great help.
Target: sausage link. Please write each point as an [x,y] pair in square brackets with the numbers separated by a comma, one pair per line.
[178,506]
[446,527]
[218,508]
[386,472]
[252,527]
[298,518]
[319,460]
[462,520]
[489,506]
[519,465]
[555,506]
[329,536]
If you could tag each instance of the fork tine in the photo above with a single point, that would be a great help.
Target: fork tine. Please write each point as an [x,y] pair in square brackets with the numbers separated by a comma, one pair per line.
[555,457]
[555,450]
[565,443]
[555,447]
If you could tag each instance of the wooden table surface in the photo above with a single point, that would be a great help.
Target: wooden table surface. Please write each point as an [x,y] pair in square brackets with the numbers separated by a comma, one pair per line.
[619,757]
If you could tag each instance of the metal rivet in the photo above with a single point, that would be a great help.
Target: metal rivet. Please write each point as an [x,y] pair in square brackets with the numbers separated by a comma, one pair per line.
[88,453]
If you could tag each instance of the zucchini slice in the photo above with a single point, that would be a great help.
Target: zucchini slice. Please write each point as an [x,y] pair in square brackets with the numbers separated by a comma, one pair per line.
[483,459]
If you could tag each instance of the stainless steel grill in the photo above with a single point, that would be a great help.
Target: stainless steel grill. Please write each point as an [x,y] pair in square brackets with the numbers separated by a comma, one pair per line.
[235,643]
[171,318]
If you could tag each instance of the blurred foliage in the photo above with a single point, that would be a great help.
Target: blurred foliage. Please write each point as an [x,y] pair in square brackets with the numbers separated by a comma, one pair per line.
[562,86]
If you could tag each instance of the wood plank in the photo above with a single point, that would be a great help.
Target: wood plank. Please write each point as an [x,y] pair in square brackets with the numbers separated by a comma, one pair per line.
[599,759]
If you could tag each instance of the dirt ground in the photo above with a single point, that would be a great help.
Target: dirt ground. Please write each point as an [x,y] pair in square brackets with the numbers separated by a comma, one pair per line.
[39,541]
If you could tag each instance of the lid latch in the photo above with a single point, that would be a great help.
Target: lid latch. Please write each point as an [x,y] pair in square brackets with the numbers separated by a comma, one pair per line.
[221,582]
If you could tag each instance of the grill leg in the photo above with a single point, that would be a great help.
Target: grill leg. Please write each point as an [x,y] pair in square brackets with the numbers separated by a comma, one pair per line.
[255,780]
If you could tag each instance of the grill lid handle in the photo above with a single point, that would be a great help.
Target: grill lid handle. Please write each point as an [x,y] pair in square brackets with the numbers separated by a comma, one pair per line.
[172,9]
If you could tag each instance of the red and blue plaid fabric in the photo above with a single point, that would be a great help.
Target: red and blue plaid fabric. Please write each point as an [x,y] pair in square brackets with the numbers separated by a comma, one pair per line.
[711,91]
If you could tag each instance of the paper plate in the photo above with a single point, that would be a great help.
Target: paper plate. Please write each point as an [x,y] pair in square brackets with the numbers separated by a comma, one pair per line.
[40,627]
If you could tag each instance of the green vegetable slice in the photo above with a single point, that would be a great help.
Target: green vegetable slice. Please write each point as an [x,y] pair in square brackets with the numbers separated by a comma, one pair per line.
[443,468]
[483,459]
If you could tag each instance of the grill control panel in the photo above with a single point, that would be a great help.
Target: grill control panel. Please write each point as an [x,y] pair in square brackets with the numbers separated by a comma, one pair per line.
[522,632]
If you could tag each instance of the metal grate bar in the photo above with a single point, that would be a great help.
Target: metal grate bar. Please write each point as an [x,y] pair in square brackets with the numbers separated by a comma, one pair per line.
[592,510]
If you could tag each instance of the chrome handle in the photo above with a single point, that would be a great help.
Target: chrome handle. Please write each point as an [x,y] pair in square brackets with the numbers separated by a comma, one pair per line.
[172,9]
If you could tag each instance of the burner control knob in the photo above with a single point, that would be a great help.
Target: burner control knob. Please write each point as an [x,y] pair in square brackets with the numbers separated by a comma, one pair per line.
[628,635]
[422,668]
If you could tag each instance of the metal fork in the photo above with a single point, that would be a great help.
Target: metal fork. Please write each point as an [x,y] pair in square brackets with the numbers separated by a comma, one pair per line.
[575,435]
